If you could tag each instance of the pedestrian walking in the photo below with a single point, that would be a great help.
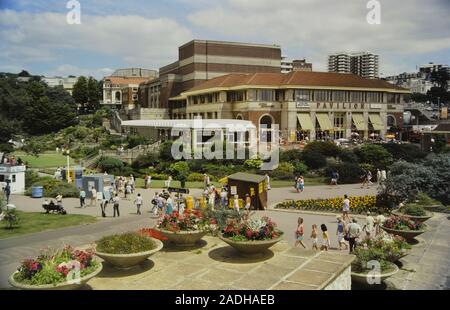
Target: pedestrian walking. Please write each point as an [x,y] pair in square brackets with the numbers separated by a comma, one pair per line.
[354,231]
[368,227]
[223,198]
[346,209]
[299,233]
[169,205]
[116,203]
[301,184]
[268,182]
[138,202]
[7,191]
[59,200]
[236,203]
[340,233]
[325,245]
[168,181]
[82,198]
[379,176]
[93,197]
[248,202]
[155,204]
[314,237]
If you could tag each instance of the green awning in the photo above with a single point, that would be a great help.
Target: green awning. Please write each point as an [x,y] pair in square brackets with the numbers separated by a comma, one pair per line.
[375,119]
[358,119]
[324,121]
[305,121]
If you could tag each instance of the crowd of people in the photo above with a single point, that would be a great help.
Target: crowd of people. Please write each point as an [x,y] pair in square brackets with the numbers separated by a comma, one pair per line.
[349,232]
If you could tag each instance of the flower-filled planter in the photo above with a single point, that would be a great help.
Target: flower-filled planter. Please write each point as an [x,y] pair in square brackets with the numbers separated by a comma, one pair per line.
[66,269]
[251,236]
[128,249]
[372,265]
[404,227]
[414,212]
[186,229]
[393,247]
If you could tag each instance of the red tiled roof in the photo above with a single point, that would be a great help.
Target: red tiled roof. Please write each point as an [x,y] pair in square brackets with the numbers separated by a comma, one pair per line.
[125,80]
[298,78]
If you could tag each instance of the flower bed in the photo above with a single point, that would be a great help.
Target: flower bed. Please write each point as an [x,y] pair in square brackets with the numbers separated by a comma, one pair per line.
[358,205]
[67,267]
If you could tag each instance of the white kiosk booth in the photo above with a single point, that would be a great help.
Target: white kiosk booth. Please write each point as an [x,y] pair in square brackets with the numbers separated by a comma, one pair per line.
[16,177]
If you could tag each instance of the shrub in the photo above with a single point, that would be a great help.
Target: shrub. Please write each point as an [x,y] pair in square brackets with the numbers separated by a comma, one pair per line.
[348,156]
[165,151]
[364,256]
[108,164]
[134,141]
[423,199]
[300,168]
[349,173]
[414,210]
[293,155]
[195,177]
[53,187]
[145,161]
[314,159]
[327,149]
[285,171]
[374,155]
[253,163]
[159,176]
[31,177]
[126,243]
[406,152]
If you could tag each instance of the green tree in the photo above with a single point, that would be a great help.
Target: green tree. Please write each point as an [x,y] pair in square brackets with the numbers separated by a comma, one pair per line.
[80,91]
[93,91]
[375,155]
[180,171]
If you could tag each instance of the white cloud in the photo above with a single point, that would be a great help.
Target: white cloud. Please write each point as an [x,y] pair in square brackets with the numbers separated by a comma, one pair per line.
[315,28]
[47,37]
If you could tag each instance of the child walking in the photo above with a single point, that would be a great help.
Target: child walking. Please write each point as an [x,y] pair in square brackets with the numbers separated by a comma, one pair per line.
[314,237]
[299,233]
[325,239]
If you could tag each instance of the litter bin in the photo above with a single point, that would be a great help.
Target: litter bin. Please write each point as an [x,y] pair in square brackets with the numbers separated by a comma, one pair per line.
[189,202]
[37,192]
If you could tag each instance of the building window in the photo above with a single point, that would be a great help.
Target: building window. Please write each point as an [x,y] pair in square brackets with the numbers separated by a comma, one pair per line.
[13,178]
[302,95]
[321,95]
[338,96]
[265,95]
[356,96]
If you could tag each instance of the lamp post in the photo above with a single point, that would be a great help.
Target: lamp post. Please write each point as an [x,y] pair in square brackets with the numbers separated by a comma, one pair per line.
[67,153]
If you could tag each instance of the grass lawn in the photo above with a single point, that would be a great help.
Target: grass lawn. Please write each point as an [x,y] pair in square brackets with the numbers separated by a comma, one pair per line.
[273,183]
[35,222]
[45,160]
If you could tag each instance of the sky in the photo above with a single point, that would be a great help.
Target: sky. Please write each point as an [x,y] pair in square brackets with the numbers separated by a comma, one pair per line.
[35,34]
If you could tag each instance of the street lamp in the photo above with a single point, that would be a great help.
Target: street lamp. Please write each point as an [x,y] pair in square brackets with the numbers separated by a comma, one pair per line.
[67,153]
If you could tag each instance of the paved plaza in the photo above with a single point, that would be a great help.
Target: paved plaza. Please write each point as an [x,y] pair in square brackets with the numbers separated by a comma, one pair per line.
[427,267]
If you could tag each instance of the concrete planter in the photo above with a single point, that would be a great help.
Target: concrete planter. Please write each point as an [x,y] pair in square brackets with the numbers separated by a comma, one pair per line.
[59,286]
[409,235]
[124,261]
[183,238]
[366,279]
[419,219]
[251,248]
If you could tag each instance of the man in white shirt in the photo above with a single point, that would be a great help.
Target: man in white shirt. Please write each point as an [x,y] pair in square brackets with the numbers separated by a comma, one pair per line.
[138,202]
[354,230]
